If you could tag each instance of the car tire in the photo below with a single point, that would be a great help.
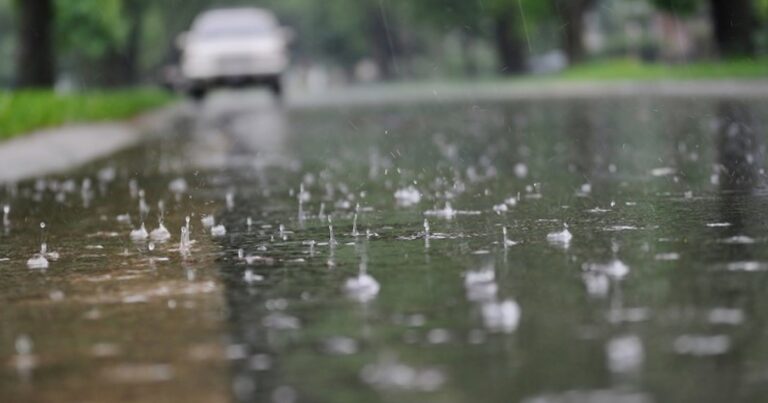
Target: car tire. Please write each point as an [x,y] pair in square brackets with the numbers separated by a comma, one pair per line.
[197,93]
[276,87]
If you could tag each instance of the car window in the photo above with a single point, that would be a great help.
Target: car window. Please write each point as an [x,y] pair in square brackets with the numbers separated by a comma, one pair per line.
[233,23]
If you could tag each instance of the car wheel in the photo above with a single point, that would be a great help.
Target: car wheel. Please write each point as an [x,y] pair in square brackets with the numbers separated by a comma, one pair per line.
[276,87]
[197,93]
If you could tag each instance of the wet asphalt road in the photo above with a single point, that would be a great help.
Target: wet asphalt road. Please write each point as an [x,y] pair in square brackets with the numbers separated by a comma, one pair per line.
[365,256]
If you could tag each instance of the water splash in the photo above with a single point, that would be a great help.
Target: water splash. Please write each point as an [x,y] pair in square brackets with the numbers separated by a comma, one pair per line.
[208,221]
[230,199]
[407,196]
[702,345]
[354,221]
[178,186]
[86,193]
[160,234]
[218,230]
[389,374]
[302,197]
[362,287]
[143,207]
[250,277]
[39,260]
[140,234]
[521,170]
[501,316]
[505,240]
[311,243]
[498,315]
[185,244]
[562,238]
[448,212]
[625,354]
[331,237]
[25,360]
[597,283]
[614,269]
[480,285]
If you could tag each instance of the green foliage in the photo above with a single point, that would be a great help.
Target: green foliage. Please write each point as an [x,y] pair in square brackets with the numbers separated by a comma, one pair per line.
[626,69]
[90,27]
[93,35]
[7,41]
[761,6]
[448,14]
[680,7]
[332,27]
[24,111]
[452,14]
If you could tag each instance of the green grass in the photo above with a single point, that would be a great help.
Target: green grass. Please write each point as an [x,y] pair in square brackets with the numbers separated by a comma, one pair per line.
[25,111]
[624,69]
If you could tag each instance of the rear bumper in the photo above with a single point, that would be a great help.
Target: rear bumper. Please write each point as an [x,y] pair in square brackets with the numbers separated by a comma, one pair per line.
[232,69]
[233,80]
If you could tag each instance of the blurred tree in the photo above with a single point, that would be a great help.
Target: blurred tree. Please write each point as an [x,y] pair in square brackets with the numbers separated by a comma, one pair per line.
[571,16]
[510,33]
[88,32]
[8,40]
[513,21]
[102,38]
[36,60]
[124,60]
[465,18]
[510,45]
[384,38]
[733,22]
[360,29]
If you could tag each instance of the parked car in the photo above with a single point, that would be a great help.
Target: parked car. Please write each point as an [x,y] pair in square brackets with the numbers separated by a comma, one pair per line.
[234,47]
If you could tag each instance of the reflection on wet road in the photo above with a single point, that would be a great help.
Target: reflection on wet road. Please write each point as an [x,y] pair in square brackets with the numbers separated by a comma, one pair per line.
[535,251]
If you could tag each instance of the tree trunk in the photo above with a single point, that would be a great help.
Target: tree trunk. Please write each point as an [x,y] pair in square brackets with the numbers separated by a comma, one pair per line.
[113,69]
[135,12]
[384,43]
[119,66]
[733,23]
[509,45]
[571,15]
[467,55]
[35,63]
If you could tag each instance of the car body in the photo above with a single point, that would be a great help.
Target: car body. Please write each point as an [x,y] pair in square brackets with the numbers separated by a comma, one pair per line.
[234,47]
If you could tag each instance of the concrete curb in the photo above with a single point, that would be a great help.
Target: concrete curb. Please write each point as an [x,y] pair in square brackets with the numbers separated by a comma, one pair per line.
[438,92]
[57,149]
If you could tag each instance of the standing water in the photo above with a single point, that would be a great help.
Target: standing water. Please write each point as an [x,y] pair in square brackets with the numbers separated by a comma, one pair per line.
[672,316]
[40,260]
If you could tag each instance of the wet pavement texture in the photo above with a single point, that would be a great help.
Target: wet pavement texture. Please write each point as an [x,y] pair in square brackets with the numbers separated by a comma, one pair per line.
[562,250]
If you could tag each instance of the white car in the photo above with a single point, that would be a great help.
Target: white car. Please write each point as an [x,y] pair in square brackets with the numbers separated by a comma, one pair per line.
[234,47]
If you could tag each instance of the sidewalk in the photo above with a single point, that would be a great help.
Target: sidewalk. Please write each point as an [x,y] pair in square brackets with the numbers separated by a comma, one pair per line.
[524,89]
[55,149]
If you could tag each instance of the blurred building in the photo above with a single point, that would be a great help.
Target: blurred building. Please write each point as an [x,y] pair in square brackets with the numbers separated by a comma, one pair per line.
[634,28]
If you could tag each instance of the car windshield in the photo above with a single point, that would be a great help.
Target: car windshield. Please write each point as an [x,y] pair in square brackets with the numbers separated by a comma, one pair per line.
[233,23]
